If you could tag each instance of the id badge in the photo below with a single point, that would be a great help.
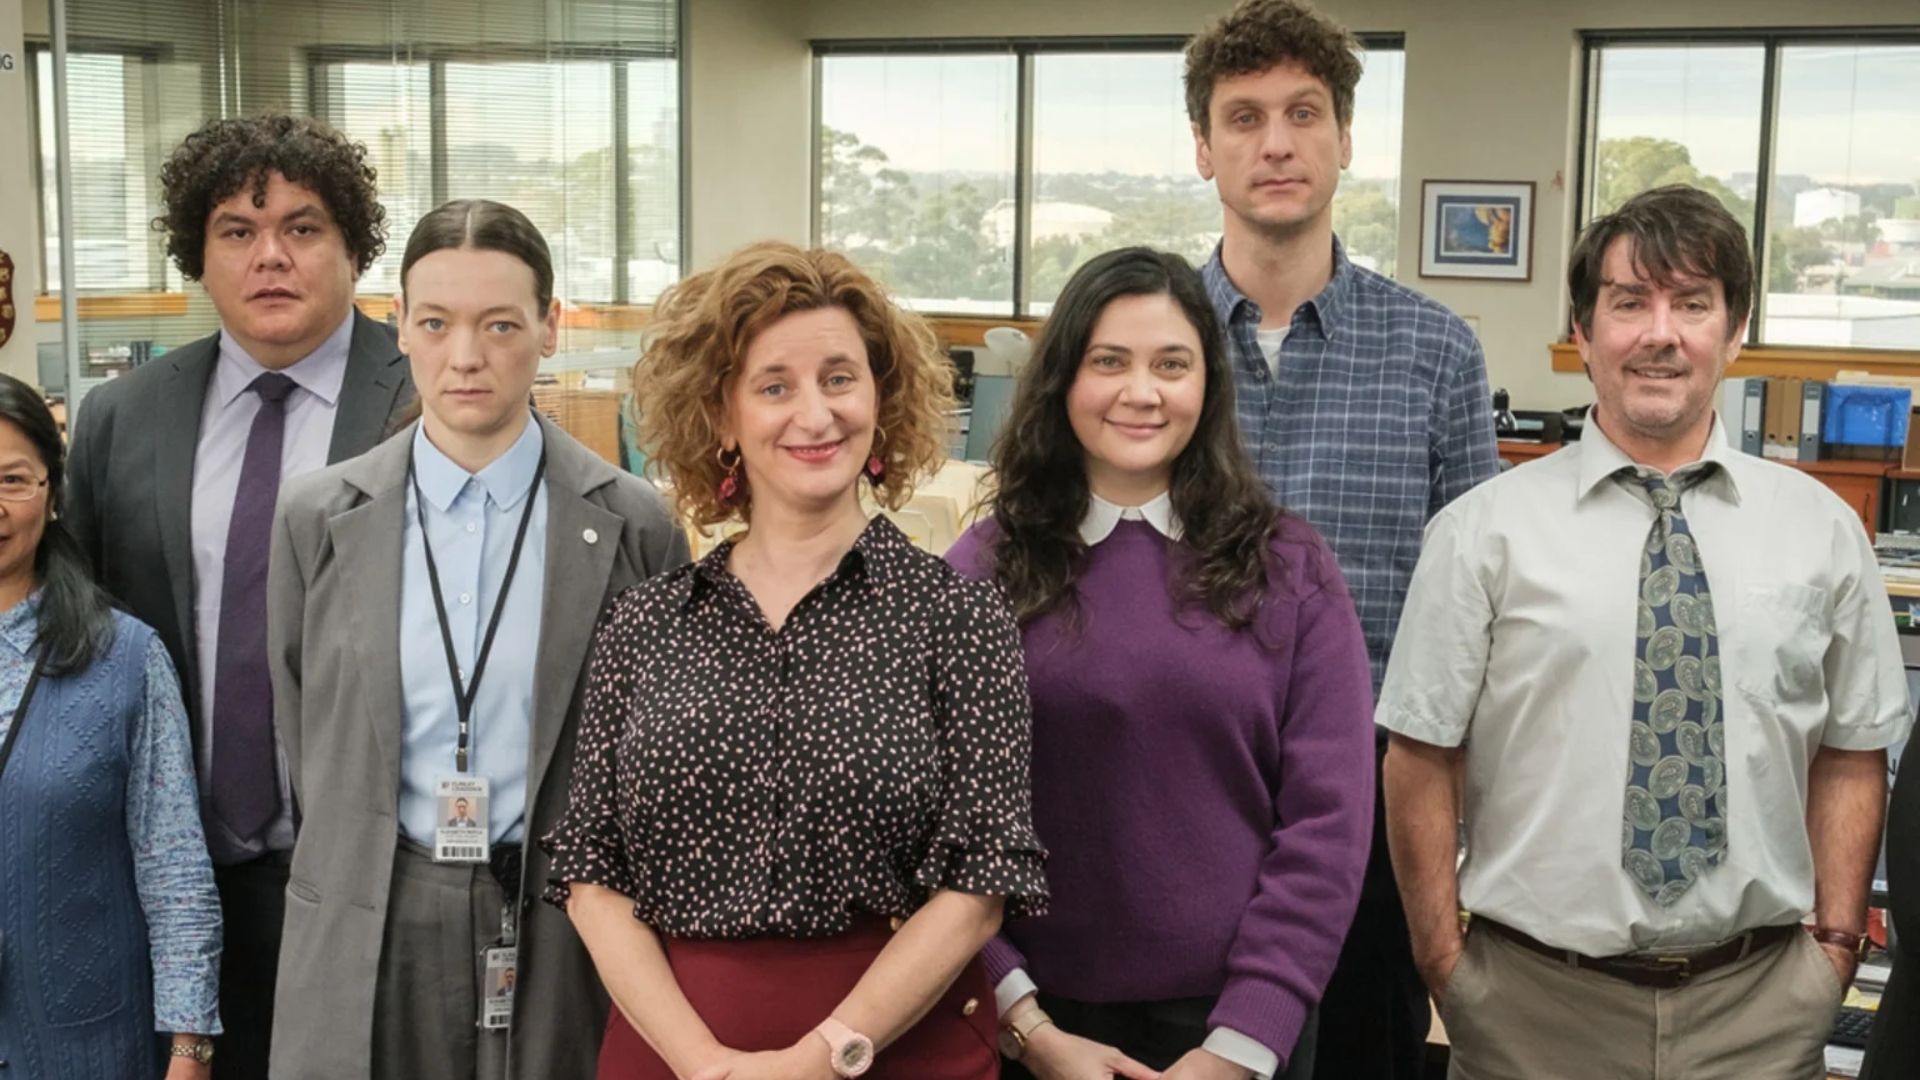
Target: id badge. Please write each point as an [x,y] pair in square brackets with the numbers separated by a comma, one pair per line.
[496,1006]
[461,836]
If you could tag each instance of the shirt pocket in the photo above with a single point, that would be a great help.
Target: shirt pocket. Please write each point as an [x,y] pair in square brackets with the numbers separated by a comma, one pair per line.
[1781,640]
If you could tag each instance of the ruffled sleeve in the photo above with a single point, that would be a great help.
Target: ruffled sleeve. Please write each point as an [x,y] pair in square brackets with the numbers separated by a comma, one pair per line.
[588,844]
[983,840]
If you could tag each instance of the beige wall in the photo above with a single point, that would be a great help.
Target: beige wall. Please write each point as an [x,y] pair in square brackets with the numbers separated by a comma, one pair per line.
[19,225]
[749,72]
[1491,93]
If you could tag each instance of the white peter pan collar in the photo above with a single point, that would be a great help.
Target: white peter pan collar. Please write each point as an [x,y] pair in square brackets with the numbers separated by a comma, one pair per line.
[1103,516]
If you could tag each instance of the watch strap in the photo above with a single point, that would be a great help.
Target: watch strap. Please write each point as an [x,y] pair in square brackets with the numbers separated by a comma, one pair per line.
[1841,939]
[840,1039]
[1023,1026]
[200,1050]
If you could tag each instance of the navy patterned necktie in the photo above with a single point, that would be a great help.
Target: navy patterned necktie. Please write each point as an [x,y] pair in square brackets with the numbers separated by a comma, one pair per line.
[245,792]
[1674,828]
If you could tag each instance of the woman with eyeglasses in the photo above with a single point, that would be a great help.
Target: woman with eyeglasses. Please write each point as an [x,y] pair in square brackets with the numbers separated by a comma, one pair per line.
[109,922]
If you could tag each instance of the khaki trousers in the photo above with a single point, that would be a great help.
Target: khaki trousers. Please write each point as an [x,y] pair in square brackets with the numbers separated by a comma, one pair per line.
[1512,1014]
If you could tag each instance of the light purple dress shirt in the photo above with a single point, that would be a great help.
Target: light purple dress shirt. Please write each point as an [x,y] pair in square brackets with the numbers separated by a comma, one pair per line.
[226,416]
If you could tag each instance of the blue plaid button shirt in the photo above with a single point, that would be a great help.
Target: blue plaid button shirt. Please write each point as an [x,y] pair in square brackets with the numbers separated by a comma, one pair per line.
[1380,416]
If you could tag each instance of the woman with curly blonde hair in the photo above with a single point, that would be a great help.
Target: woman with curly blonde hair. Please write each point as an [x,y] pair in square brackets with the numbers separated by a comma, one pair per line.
[800,803]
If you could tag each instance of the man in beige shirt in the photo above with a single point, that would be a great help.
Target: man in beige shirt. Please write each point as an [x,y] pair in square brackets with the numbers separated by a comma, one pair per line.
[1668,673]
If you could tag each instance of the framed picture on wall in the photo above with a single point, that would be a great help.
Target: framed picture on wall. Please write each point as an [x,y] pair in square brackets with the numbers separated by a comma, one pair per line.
[1476,229]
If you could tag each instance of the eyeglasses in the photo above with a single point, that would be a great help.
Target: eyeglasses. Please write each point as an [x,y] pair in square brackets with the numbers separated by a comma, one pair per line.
[19,487]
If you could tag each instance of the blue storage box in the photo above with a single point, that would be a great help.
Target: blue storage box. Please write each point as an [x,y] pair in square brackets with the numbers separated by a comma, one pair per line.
[1866,415]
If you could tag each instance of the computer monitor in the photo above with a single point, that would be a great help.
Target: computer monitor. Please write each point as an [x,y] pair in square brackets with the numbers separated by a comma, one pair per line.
[992,398]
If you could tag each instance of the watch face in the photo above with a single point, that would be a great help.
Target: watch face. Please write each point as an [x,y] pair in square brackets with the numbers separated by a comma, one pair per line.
[854,1057]
[1010,1045]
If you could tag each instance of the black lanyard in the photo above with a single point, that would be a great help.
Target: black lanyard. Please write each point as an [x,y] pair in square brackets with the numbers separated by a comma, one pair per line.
[463,698]
[20,710]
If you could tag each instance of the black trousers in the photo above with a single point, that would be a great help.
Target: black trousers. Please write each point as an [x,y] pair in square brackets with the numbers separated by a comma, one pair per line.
[1375,1015]
[1154,1033]
[253,909]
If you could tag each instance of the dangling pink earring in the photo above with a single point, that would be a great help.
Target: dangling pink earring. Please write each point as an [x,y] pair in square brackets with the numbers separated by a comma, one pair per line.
[730,484]
[876,466]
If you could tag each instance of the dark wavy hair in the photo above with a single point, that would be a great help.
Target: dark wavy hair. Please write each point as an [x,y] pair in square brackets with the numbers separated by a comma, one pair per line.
[1671,230]
[224,156]
[1259,35]
[1039,466]
[76,617]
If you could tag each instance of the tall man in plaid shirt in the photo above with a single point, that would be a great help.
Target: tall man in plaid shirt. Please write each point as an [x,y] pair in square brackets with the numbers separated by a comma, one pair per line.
[1363,403]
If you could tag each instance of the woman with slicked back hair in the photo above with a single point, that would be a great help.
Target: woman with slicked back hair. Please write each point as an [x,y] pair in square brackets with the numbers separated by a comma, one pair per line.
[1201,704]
[109,922]
[432,603]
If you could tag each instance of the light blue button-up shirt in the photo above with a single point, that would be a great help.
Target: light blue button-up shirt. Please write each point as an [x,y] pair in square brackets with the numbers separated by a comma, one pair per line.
[226,422]
[471,521]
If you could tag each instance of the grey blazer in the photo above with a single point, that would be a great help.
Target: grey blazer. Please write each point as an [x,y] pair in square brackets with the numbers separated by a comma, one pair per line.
[129,498]
[333,591]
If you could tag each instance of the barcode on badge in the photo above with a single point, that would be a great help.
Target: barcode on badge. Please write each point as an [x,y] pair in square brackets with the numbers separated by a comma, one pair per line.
[461,851]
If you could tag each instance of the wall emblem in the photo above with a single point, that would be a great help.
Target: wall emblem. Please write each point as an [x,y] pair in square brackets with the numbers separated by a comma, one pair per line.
[7,310]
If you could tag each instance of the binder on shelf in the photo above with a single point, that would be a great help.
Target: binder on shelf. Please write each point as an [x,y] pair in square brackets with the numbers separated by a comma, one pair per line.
[1786,442]
[1813,398]
[1754,417]
[1733,403]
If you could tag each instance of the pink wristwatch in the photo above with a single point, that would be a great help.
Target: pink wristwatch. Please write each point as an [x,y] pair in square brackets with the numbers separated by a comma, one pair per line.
[851,1052]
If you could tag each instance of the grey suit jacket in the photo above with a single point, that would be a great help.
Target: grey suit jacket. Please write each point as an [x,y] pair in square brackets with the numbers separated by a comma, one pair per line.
[333,644]
[1894,1053]
[129,498]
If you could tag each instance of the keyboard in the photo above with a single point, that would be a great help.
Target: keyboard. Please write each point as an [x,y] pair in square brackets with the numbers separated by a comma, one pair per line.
[1851,1026]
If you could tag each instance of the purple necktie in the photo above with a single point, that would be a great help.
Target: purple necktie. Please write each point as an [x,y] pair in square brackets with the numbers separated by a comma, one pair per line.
[245,793]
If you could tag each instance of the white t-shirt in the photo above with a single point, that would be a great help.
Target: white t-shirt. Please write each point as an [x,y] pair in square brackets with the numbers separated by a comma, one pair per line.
[1270,342]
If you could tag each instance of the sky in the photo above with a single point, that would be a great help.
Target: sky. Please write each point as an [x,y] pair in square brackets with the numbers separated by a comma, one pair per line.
[1093,112]
[1847,114]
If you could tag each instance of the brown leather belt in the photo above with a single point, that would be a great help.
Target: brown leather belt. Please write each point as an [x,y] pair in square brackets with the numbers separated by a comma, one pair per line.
[1652,970]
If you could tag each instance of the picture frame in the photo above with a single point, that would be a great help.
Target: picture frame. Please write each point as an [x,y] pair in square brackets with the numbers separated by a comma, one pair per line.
[1480,229]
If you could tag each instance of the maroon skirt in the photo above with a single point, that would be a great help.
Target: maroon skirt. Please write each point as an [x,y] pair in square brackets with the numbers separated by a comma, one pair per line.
[766,994]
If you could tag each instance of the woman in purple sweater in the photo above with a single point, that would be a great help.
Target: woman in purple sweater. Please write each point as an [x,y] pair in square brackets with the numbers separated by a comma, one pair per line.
[1202,715]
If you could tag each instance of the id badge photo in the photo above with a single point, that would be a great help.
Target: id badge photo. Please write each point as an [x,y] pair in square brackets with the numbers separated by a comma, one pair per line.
[461,835]
[496,1007]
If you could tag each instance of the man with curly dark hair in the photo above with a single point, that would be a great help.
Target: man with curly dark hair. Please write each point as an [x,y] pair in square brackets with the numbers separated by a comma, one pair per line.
[1363,403]
[176,466]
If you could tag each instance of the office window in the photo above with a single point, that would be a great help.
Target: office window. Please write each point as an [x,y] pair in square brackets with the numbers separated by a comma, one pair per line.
[1832,167]
[916,174]
[1113,165]
[110,99]
[1843,216]
[568,109]
[1677,115]
[384,105]
[918,150]
[613,227]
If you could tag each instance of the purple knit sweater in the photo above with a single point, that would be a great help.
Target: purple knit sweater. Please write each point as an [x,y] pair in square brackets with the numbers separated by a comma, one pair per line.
[1206,799]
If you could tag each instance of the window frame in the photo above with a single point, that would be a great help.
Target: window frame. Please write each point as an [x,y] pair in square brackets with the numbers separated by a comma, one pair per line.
[319,58]
[1024,50]
[1771,40]
[39,51]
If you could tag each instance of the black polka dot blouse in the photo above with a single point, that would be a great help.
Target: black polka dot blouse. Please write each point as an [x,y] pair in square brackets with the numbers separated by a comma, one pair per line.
[741,782]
